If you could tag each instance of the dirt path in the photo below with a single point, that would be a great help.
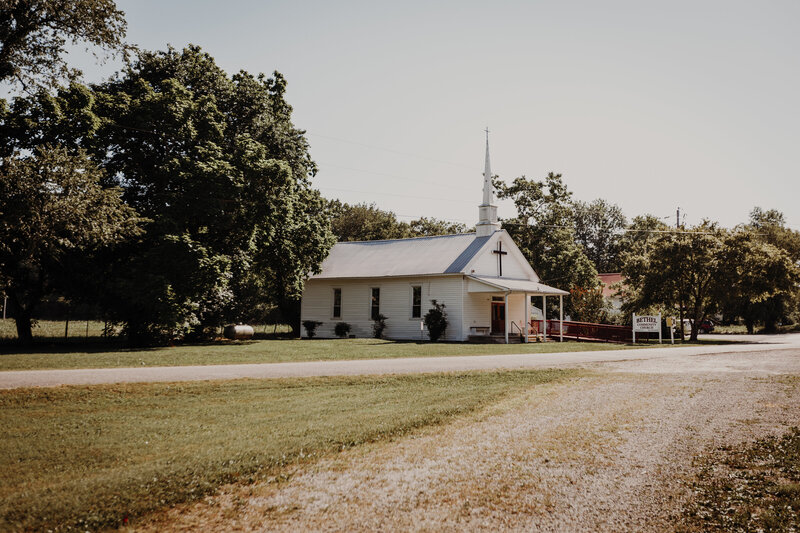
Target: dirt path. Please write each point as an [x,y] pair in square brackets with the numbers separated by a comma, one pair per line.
[607,452]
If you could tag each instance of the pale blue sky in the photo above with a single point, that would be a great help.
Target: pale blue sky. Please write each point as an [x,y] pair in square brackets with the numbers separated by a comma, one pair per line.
[648,105]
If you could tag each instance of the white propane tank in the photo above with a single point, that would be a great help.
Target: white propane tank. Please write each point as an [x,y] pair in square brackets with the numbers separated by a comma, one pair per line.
[238,332]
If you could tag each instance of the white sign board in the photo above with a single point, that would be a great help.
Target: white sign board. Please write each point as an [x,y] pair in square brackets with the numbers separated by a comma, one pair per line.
[650,324]
[647,324]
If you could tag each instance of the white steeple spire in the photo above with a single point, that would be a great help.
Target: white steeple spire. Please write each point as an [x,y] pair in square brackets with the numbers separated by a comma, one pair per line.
[487,175]
[487,219]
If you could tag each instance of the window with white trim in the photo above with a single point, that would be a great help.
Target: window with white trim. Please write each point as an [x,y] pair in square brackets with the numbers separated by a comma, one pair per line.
[337,303]
[416,301]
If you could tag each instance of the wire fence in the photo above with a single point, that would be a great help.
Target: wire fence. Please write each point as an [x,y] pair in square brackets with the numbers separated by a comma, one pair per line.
[99,330]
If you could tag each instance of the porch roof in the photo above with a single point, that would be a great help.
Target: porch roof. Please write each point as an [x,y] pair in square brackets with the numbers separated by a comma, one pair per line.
[495,284]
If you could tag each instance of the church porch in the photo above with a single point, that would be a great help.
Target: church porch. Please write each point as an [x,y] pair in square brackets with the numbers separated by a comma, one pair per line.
[509,303]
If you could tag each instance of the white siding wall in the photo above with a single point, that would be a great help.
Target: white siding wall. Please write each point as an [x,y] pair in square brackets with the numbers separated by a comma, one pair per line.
[478,309]
[395,303]
[487,263]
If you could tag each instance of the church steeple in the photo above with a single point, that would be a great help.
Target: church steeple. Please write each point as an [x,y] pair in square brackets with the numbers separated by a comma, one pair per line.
[487,213]
[487,176]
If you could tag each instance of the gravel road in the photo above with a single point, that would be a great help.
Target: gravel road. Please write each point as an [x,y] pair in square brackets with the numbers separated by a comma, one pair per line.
[606,452]
[50,378]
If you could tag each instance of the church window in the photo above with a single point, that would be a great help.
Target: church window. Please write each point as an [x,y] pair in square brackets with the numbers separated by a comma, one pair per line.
[375,304]
[416,301]
[337,303]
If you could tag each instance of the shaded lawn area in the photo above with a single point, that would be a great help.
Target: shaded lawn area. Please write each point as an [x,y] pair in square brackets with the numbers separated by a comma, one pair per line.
[266,351]
[752,487]
[90,457]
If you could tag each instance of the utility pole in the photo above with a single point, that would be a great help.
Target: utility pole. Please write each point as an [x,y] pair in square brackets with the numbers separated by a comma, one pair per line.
[678,218]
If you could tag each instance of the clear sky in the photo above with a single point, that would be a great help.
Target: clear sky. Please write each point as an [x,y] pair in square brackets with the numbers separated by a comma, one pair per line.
[650,105]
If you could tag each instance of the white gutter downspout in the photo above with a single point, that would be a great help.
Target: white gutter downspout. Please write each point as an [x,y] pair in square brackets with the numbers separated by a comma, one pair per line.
[527,316]
[507,315]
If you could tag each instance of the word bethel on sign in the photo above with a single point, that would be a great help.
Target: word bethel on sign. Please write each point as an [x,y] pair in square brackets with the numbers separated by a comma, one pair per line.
[647,324]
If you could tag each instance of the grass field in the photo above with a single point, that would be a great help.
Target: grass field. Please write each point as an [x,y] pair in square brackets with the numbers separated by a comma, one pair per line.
[266,351]
[90,457]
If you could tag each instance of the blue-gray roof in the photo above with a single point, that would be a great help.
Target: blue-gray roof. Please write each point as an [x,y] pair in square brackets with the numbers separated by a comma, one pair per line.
[466,256]
[444,254]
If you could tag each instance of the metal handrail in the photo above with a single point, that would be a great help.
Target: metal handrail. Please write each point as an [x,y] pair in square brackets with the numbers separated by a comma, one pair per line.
[514,325]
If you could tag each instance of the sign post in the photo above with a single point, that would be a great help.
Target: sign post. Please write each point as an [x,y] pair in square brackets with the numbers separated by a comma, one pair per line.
[671,326]
[647,324]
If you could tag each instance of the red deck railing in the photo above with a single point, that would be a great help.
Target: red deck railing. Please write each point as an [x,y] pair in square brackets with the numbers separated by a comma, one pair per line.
[584,330]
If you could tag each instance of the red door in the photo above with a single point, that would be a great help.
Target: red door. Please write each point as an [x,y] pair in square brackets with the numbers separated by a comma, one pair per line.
[498,318]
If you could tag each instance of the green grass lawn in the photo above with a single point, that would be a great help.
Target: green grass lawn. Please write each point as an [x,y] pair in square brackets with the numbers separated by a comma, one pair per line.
[89,457]
[266,351]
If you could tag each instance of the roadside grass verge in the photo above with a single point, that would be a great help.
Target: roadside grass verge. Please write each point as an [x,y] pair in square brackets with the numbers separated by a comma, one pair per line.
[77,331]
[96,457]
[753,487]
[266,351]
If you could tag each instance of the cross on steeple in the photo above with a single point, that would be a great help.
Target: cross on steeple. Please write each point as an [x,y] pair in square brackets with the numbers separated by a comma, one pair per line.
[500,253]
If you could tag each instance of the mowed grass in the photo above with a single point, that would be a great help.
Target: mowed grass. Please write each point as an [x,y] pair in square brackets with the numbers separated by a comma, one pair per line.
[266,351]
[94,457]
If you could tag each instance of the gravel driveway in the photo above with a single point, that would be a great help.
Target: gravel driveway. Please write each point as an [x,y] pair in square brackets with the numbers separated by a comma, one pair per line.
[605,452]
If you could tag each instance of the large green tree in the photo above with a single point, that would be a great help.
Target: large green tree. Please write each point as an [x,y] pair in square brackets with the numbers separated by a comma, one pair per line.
[598,229]
[34,35]
[53,213]
[679,270]
[544,232]
[216,163]
[758,280]
[219,170]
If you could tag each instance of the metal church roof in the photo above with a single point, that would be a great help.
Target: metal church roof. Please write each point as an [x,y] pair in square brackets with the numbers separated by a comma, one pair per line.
[444,254]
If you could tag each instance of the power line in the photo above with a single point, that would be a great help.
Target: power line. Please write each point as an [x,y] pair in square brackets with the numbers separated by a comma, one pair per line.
[393,194]
[398,152]
[404,178]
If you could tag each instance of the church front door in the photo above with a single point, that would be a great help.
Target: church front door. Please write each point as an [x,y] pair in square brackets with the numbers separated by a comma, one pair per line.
[498,318]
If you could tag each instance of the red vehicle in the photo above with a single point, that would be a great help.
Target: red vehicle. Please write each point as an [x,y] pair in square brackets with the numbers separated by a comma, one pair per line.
[706,326]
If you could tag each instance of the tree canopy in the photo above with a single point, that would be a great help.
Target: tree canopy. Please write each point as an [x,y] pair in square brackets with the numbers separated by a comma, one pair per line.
[544,232]
[367,222]
[34,35]
[680,270]
[598,229]
[220,172]
[53,212]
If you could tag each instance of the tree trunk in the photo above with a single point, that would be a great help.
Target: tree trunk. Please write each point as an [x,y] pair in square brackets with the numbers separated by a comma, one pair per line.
[24,330]
[750,325]
[290,311]
[22,319]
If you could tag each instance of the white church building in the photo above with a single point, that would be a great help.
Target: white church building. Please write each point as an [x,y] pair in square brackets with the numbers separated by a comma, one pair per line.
[483,279]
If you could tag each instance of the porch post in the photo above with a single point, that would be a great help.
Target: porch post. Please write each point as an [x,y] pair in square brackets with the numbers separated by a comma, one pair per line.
[505,312]
[544,318]
[527,302]
[560,318]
